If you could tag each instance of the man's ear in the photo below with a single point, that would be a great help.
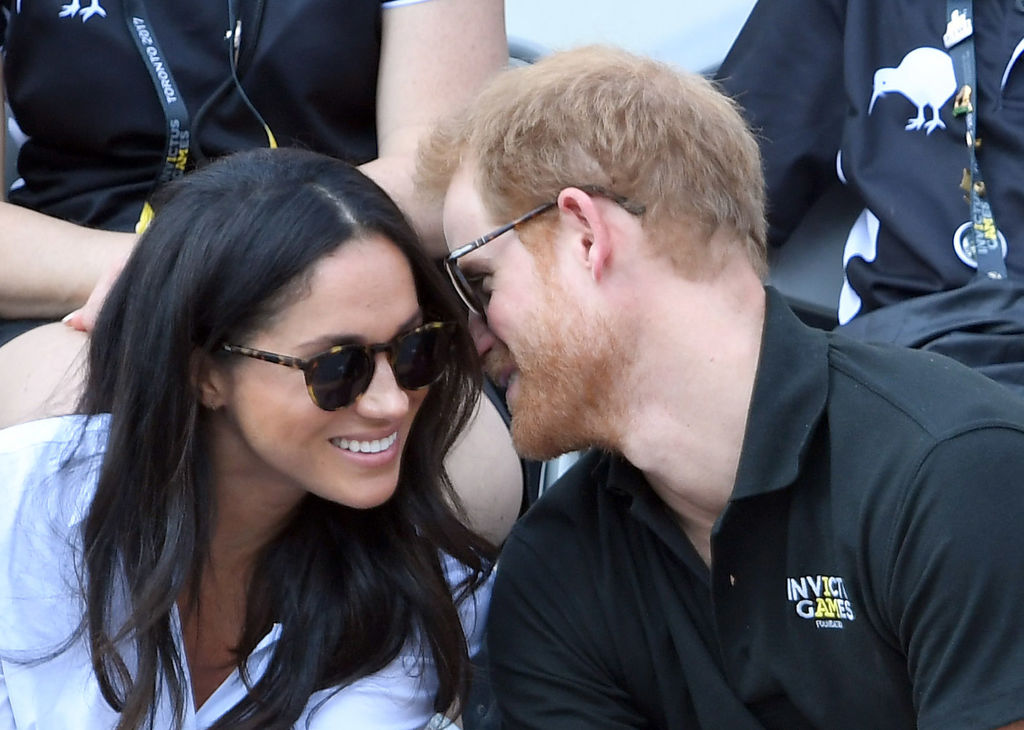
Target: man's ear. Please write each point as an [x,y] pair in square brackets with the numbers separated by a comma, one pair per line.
[209,380]
[586,219]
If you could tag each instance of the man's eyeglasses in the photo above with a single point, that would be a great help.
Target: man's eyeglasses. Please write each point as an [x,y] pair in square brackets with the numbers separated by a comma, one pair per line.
[470,287]
[337,377]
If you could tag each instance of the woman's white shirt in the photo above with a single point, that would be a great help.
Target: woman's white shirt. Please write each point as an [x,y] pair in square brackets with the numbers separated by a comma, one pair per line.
[42,502]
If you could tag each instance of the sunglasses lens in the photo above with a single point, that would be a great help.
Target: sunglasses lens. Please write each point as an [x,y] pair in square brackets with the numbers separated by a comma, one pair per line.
[338,378]
[423,355]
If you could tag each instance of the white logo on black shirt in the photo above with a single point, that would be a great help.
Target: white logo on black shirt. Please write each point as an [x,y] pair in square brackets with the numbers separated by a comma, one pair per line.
[820,598]
[925,77]
[75,8]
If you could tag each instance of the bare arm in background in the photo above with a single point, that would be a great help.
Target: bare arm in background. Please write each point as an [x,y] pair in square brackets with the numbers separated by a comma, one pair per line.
[435,56]
[48,267]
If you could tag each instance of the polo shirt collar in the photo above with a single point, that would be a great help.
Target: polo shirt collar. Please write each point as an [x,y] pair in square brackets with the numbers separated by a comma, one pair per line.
[647,508]
[789,397]
[788,400]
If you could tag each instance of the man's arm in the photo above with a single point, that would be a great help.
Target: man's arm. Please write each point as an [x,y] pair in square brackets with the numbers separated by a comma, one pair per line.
[955,587]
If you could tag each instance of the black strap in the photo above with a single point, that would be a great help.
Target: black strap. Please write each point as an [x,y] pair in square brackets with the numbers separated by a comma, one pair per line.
[240,55]
[959,41]
[175,111]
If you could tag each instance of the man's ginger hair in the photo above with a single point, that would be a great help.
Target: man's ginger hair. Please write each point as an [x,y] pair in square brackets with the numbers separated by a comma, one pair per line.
[661,137]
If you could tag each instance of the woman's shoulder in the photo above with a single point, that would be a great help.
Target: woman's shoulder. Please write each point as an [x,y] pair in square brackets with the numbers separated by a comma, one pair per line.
[53,435]
[60,456]
[48,467]
[49,470]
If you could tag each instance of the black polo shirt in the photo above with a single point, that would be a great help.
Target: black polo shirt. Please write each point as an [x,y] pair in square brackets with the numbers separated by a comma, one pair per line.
[81,91]
[867,571]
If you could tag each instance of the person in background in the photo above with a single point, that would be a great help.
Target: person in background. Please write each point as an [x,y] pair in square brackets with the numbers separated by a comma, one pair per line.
[775,522]
[247,523]
[116,97]
[876,95]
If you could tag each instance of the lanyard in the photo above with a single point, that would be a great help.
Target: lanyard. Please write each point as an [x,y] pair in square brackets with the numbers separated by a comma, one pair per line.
[959,41]
[175,111]
[179,132]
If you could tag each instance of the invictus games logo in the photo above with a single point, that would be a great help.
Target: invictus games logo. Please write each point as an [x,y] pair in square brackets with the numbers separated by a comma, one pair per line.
[822,599]
[964,245]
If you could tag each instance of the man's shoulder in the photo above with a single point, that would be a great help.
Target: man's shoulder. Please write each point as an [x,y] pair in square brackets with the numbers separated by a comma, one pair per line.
[937,394]
[568,521]
[575,495]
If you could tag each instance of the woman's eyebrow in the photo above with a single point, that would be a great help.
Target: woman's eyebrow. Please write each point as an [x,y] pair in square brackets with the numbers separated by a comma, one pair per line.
[325,342]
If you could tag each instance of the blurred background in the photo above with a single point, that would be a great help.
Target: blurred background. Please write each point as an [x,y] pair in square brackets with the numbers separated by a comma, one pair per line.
[691,34]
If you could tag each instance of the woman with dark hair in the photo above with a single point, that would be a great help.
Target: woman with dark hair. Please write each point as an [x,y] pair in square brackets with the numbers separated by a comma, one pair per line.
[108,99]
[219,541]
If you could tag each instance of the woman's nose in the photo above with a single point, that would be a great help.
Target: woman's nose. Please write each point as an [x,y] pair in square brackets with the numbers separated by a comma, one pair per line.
[385,398]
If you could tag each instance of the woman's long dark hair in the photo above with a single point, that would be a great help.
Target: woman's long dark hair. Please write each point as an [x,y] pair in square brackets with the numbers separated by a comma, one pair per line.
[229,245]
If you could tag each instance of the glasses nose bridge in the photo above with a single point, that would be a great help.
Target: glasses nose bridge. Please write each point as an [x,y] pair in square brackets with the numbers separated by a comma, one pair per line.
[383,396]
[388,349]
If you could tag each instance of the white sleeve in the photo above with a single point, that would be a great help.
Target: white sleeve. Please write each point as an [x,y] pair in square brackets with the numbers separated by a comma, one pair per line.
[399,697]
[6,711]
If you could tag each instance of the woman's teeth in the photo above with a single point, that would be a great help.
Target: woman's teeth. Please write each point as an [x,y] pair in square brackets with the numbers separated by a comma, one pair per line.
[366,447]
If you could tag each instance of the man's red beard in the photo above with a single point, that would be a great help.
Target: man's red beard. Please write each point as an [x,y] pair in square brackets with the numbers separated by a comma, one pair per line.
[565,399]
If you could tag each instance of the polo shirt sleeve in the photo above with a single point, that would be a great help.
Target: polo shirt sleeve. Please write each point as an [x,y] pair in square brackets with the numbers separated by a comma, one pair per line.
[785,70]
[544,644]
[957,581]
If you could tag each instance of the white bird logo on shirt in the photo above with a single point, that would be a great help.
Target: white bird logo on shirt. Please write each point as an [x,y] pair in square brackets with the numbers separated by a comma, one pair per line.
[925,77]
[75,8]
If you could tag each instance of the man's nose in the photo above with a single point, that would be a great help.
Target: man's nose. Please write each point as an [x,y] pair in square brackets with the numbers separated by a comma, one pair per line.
[483,337]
